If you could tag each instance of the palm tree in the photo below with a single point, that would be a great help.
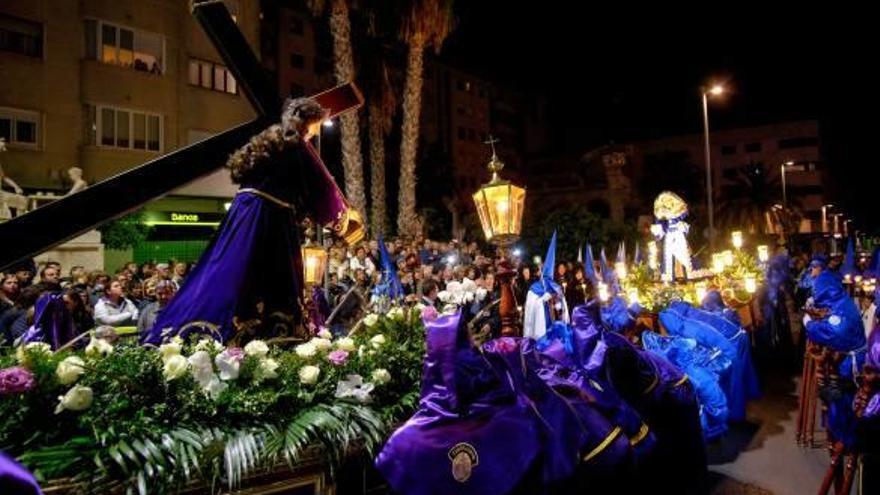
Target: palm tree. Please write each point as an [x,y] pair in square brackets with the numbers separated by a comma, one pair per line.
[381,111]
[344,70]
[749,201]
[426,24]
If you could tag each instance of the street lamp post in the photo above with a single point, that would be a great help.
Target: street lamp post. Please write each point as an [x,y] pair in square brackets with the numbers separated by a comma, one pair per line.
[825,209]
[714,91]
[782,169]
[500,208]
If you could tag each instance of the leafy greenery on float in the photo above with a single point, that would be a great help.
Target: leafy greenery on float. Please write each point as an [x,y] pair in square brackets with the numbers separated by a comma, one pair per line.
[144,434]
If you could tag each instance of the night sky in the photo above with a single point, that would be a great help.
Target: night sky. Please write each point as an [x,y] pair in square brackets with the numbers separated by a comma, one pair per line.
[627,73]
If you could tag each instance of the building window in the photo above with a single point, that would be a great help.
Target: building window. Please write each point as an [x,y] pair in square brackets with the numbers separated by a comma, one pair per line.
[209,75]
[21,36]
[753,148]
[20,128]
[728,149]
[297,61]
[123,128]
[798,142]
[297,90]
[126,47]
[297,26]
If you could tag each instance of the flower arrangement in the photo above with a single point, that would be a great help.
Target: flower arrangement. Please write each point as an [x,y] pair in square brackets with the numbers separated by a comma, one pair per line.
[112,416]
[461,293]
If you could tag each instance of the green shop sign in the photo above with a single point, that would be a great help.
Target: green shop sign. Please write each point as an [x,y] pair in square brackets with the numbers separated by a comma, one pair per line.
[185,218]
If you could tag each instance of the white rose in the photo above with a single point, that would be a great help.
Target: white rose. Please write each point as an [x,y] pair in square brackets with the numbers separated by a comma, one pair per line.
[444,296]
[481,294]
[381,376]
[202,367]
[308,375]
[396,313]
[325,334]
[468,285]
[256,348]
[371,319]
[33,347]
[175,367]
[228,366]
[377,341]
[78,398]
[322,344]
[39,347]
[417,309]
[306,350]
[69,370]
[268,369]
[169,350]
[215,387]
[345,344]
[453,287]
[99,347]
[209,345]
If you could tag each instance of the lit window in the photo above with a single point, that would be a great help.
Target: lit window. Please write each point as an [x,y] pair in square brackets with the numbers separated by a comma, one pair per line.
[209,75]
[125,47]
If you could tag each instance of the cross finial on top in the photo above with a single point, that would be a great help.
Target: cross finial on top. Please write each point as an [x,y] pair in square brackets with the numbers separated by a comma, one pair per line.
[491,142]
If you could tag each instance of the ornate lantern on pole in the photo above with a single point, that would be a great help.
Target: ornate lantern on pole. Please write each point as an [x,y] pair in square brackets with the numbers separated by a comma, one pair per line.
[314,261]
[500,205]
[500,208]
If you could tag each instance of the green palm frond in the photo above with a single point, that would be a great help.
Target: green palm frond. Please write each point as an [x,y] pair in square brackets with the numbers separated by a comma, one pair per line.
[335,427]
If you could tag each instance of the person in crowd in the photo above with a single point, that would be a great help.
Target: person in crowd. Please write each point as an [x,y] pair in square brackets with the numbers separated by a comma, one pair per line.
[24,271]
[133,271]
[73,275]
[429,293]
[16,321]
[50,278]
[8,296]
[114,309]
[180,271]
[147,271]
[360,261]
[521,283]
[80,314]
[97,281]
[149,293]
[163,271]
[579,289]
[165,291]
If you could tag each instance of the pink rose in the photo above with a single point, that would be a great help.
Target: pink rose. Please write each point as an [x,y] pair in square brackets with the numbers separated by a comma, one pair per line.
[430,313]
[15,380]
[338,357]
[234,354]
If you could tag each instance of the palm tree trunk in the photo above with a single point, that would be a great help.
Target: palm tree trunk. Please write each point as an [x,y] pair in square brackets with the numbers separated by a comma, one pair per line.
[377,169]
[407,221]
[352,161]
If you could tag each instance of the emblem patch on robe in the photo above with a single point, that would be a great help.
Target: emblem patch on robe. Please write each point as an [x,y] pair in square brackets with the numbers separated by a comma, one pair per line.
[464,459]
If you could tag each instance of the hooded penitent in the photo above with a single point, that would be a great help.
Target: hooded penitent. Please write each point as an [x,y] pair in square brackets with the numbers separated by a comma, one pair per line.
[545,301]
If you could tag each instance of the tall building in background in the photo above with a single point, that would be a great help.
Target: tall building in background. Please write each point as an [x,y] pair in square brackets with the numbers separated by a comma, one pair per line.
[794,146]
[105,85]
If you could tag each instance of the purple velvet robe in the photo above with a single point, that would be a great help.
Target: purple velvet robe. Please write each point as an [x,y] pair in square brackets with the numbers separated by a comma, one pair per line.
[255,259]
